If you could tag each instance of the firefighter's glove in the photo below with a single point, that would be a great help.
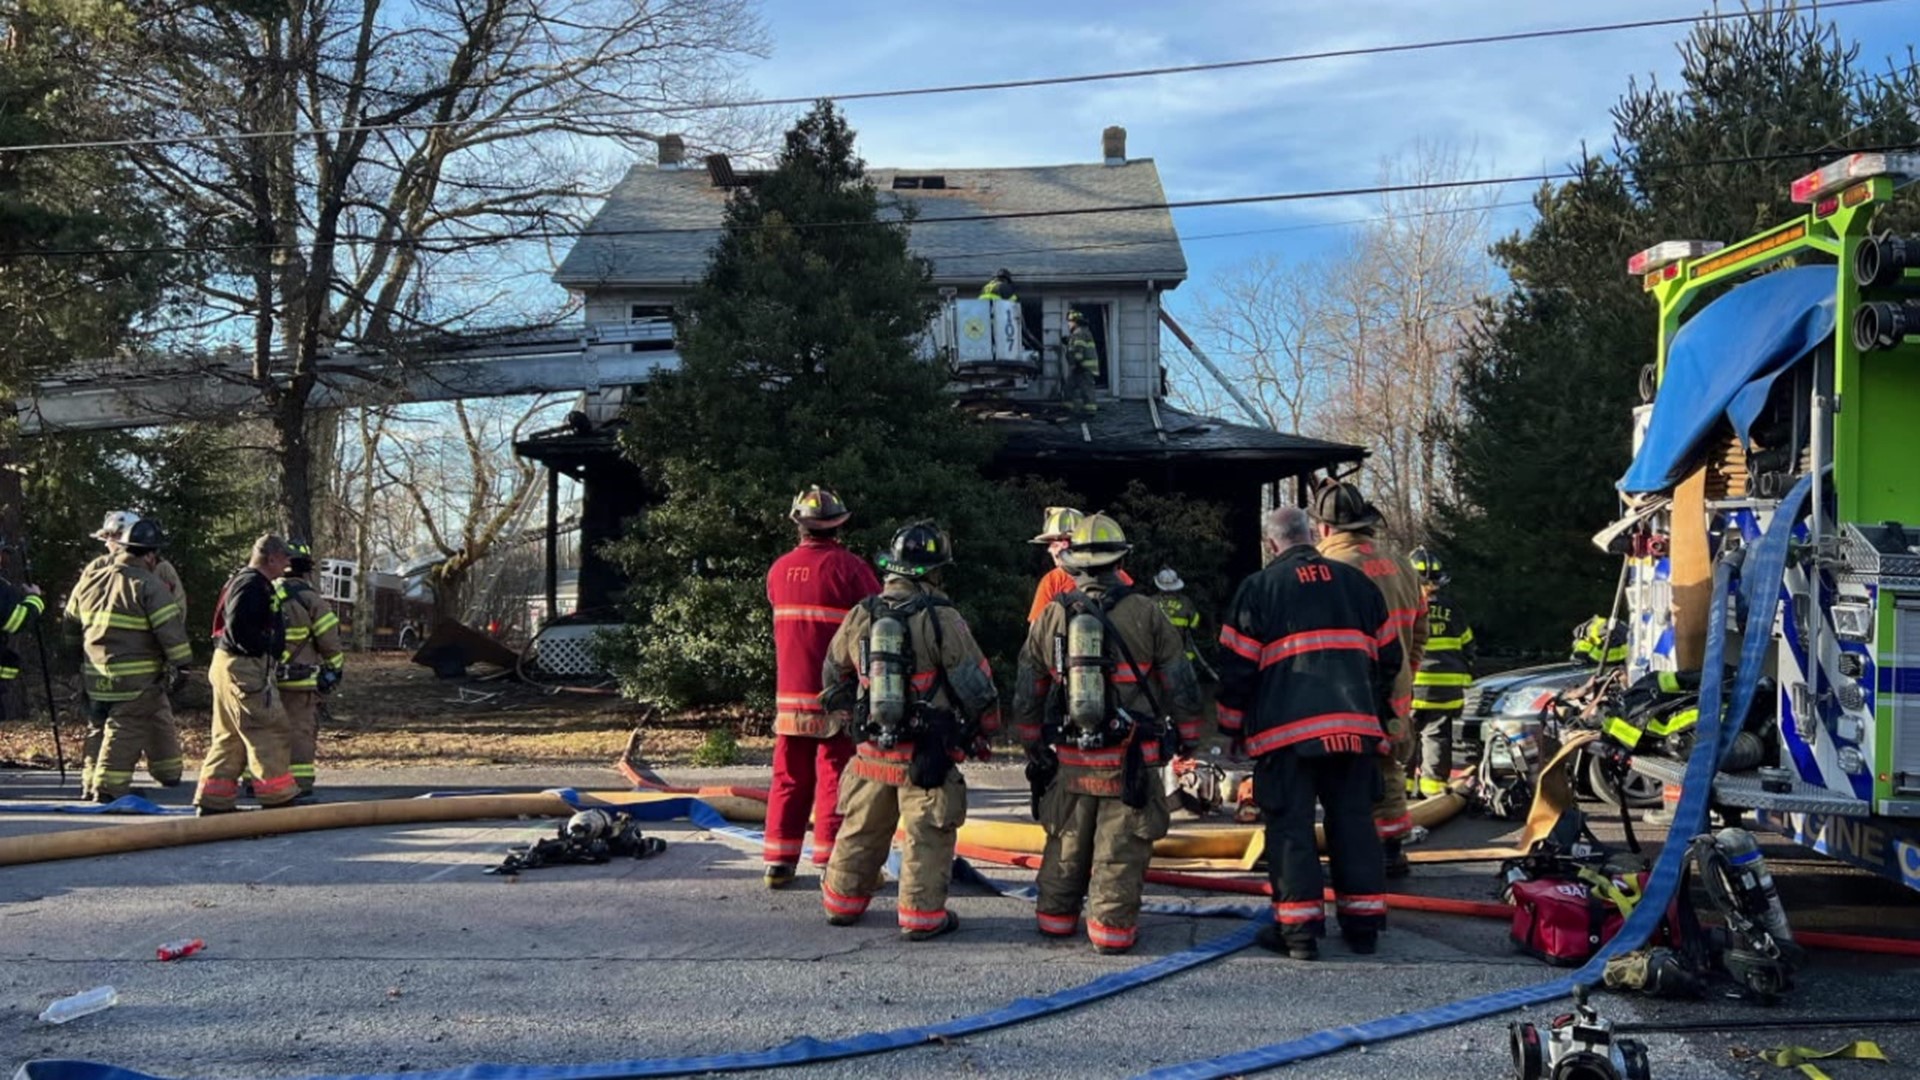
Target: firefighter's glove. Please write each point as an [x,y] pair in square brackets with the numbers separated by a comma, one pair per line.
[327,680]
[981,750]
[176,679]
[839,697]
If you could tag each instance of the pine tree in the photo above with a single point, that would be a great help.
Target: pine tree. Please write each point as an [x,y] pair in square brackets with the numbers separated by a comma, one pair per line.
[1550,381]
[798,366]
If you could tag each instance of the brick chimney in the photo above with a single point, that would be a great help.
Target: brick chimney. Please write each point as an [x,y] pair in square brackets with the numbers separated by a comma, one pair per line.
[1113,145]
[672,151]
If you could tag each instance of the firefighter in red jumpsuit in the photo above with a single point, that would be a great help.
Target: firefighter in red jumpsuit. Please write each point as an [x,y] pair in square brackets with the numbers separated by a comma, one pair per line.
[811,589]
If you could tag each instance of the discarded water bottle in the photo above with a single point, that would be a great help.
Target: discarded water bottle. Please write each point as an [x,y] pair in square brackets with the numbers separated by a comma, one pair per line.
[73,1008]
[174,950]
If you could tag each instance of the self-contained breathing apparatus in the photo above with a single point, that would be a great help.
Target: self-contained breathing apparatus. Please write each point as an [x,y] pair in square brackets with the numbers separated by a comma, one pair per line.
[590,836]
[1083,712]
[889,712]
[1754,950]
[1757,949]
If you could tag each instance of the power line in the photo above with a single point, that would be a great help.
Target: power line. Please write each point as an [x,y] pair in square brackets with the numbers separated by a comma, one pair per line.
[960,88]
[1006,215]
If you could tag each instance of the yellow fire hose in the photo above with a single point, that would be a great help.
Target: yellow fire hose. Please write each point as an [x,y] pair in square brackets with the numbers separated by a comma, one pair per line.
[1234,847]
[177,832]
[1199,848]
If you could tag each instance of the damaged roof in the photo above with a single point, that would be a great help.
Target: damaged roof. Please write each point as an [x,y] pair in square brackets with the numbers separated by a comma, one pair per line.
[659,225]
[1128,431]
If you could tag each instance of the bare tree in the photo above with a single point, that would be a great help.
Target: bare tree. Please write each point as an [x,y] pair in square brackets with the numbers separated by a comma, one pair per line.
[1361,345]
[330,160]
[463,492]
[1264,315]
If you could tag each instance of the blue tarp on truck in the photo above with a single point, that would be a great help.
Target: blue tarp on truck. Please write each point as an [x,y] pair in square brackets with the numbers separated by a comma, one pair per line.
[1724,360]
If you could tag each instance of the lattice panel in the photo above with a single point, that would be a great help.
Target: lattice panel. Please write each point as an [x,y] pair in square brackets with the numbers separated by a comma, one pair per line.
[568,649]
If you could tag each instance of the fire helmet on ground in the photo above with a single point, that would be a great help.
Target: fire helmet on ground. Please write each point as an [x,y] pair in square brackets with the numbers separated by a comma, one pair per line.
[1098,542]
[818,508]
[917,550]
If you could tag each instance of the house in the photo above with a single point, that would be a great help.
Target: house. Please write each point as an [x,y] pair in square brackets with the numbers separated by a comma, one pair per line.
[1094,237]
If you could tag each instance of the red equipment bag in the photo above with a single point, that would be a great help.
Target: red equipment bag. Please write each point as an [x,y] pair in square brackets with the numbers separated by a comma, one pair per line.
[1560,921]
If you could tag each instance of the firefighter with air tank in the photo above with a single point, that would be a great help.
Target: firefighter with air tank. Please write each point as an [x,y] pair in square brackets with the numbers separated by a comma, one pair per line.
[905,674]
[1104,694]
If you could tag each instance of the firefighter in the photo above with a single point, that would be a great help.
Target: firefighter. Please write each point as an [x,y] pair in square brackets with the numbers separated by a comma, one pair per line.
[1055,532]
[811,589]
[1082,358]
[1309,658]
[1179,610]
[1346,523]
[921,698]
[315,661]
[249,722]
[1599,642]
[1102,678]
[135,641]
[1446,670]
[999,286]
[18,605]
[111,528]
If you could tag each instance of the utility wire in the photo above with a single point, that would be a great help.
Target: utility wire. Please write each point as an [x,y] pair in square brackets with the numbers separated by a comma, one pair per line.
[1007,215]
[960,88]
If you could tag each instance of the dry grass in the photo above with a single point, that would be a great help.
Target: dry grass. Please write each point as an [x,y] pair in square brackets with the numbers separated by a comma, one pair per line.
[390,713]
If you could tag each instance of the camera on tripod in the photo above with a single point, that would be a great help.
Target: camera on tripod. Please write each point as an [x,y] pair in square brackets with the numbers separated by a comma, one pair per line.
[1578,1046]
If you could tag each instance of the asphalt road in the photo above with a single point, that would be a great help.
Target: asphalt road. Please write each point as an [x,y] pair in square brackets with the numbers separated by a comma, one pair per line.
[385,949]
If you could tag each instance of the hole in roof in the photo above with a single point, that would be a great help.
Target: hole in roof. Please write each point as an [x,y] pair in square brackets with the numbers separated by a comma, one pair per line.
[920,183]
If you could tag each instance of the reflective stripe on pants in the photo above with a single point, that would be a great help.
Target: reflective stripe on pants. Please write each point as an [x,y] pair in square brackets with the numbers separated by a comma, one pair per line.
[871,810]
[143,725]
[249,735]
[303,734]
[806,778]
[1097,849]
[1287,784]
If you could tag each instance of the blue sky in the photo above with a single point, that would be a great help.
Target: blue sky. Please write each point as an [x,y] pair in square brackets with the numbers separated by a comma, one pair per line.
[1519,108]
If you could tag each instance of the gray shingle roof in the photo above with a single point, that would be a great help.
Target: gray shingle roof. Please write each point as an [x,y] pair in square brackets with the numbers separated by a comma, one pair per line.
[618,249]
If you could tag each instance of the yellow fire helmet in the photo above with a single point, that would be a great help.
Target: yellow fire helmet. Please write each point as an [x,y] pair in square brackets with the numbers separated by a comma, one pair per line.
[1059,525]
[1097,542]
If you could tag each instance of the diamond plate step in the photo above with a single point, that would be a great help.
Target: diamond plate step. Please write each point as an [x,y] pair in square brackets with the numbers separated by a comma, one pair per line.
[1743,790]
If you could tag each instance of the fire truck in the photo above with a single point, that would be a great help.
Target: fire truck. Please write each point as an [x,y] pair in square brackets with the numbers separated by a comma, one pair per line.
[1791,357]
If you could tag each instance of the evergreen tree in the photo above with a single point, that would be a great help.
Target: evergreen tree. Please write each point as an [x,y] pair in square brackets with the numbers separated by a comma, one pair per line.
[1551,377]
[77,231]
[798,366]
